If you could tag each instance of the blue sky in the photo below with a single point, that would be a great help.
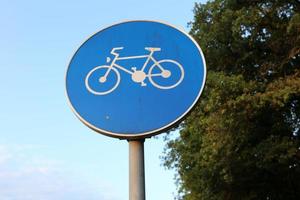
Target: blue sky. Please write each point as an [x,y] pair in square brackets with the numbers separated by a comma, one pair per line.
[45,151]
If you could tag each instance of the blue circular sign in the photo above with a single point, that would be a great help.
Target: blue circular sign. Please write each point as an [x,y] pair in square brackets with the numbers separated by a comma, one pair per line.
[135,79]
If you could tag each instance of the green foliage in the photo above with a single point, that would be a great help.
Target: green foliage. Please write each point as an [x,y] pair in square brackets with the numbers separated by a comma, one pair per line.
[242,140]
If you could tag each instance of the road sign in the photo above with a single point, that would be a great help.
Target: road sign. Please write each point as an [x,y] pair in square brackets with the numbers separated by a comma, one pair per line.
[135,79]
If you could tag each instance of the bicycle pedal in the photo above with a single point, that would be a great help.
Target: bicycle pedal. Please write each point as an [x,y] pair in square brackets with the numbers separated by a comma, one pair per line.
[143,84]
[133,68]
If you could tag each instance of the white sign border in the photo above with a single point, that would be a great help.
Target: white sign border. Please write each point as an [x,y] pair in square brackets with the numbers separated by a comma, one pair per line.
[152,132]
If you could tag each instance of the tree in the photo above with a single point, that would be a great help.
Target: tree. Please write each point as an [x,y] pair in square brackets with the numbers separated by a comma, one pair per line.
[243,139]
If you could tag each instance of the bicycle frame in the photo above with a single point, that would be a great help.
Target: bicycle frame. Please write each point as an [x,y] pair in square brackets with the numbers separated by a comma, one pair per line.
[116,58]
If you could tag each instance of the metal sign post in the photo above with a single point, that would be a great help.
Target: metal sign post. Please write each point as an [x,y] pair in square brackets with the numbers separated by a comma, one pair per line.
[133,80]
[136,170]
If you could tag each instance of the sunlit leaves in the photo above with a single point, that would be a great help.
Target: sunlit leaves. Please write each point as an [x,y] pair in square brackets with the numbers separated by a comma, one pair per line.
[242,139]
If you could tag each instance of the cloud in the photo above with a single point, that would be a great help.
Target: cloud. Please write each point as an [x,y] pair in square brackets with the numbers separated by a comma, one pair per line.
[4,155]
[27,176]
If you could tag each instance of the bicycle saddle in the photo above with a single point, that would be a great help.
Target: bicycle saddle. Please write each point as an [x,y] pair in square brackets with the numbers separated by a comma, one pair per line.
[152,49]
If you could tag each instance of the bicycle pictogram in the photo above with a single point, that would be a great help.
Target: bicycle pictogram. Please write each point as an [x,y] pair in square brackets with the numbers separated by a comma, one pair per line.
[157,70]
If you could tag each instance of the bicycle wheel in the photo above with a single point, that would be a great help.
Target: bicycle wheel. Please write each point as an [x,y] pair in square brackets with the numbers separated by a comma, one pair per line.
[98,84]
[166,74]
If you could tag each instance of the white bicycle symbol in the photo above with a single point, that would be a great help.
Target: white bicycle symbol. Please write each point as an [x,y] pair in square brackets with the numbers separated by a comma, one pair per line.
[138,76]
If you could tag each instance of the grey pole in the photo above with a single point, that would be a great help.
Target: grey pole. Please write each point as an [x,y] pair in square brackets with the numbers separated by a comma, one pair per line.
[136,170]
